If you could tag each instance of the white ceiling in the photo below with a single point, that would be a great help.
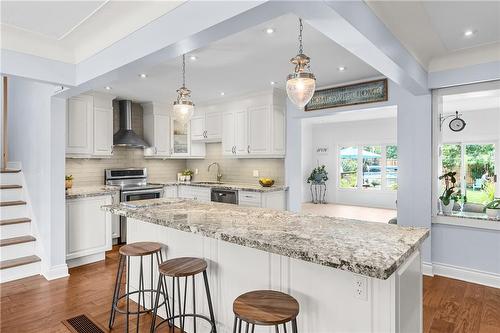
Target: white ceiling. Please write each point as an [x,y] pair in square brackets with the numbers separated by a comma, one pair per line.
[71,31]
[435,29]
[472,101]
[245,62]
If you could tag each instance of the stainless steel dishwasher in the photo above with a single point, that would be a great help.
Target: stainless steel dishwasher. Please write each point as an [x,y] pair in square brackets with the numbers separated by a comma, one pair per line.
[225,196]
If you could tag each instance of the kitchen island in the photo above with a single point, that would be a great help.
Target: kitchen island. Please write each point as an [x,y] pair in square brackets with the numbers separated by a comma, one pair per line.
[348,275]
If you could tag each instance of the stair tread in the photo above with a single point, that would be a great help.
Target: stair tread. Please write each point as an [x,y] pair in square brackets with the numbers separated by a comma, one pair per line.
[18,262]
[15,221]
[12,203]
[16,240]
[10,170]
[10,187]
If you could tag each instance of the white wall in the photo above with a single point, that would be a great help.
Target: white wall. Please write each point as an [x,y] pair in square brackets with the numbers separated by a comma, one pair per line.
[414,145]
[351,133]
[36,139]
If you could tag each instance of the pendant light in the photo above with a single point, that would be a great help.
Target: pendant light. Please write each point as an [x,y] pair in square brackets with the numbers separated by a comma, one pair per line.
[300,85]
[183,107]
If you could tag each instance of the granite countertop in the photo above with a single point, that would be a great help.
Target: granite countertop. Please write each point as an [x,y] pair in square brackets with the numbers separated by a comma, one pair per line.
[369,248]
[232,186]
[91,191]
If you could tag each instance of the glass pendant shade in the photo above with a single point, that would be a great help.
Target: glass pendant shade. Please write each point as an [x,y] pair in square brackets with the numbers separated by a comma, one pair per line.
[183,111]
[300,88]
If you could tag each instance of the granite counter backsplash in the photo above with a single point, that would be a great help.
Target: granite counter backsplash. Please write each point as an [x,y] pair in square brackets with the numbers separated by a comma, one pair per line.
[368,248]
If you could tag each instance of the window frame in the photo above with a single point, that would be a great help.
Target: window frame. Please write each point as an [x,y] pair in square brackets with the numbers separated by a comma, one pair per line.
[383,167]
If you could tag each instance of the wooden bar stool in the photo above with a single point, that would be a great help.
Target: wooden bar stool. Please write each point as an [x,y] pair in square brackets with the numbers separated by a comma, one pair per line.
[178,268]
[265,308]
[139,249]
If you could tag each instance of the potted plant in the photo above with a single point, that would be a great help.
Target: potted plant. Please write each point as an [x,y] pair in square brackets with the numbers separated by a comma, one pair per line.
[187,174]
[319,175]
[317,179]
[493,209]
[450,194]
[68,182]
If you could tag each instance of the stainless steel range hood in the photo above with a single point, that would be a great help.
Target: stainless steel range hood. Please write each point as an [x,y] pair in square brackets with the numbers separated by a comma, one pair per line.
[126,137]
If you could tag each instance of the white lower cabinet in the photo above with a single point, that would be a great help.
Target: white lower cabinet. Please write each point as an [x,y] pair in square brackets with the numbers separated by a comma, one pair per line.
[273,200]
[88,230]
[194,192]
[170,192]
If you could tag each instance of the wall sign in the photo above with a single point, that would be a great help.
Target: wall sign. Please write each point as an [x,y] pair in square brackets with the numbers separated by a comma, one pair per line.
[322,150]
[352,94]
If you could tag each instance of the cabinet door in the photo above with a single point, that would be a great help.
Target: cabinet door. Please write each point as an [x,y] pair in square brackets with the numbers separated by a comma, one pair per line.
[103,132]
[228,133]
[161,135]
[213,125]
[88,227]
[241,132]
[198,128]
[278,131]
[180,139]
[259,122]
[79,125]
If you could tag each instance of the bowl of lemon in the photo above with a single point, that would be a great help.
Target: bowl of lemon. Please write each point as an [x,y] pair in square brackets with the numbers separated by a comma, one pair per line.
[266,182]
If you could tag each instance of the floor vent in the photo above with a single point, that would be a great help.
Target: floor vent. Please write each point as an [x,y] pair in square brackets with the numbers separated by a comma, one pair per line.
[83,324]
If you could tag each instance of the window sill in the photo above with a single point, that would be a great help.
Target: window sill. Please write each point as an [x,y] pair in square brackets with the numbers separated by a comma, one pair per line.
[474,220]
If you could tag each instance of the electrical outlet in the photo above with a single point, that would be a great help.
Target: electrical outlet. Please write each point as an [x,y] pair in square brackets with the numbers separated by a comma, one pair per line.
[256,173]
[195,171]
[360,284]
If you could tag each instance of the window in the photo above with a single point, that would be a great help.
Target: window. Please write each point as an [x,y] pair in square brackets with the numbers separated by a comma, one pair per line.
[391,157]
[368,167]
[348,167]
[372,169]
[475,168]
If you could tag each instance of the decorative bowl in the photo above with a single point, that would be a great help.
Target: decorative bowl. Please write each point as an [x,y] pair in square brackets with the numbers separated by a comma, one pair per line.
[267,184]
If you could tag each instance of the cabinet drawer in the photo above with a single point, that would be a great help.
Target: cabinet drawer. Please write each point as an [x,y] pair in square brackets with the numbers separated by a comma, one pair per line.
[250,198]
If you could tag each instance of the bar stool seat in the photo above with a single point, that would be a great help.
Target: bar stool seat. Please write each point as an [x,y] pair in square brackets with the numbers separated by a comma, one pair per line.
[184,266]
[140,249]
[265,308]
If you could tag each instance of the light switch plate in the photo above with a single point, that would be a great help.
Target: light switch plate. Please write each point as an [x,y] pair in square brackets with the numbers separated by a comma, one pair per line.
[195,171]
[256,173]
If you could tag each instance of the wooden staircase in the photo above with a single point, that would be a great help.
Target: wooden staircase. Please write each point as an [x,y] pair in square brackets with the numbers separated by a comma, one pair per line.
[18,257]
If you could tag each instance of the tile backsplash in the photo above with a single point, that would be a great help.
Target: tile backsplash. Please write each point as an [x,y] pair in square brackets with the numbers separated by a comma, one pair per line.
[91,171]
[237,170]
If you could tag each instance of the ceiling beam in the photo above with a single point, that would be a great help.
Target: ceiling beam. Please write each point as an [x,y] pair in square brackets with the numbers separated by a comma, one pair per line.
[354,26]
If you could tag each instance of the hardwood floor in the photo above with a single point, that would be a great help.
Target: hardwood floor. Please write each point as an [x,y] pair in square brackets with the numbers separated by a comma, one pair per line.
[36,305]
[457,306]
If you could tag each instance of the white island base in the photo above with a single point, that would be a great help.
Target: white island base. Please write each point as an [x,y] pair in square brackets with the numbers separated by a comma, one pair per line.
[329,298]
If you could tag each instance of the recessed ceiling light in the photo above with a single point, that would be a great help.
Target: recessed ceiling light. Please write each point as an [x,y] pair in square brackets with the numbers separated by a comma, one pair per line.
[193,57]
[273,83]
[341,68]
[107,88]
[469,33]
[269,31]
[143,76]
[222,93]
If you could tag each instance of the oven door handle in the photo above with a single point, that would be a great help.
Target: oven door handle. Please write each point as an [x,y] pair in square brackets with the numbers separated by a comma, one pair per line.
[158,190]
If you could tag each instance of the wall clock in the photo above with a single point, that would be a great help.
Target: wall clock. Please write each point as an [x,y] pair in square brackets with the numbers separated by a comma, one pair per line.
[456,124]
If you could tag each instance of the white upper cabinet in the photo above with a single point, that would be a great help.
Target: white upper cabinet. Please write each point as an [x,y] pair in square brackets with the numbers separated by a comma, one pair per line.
[89,126]
[156,124]
[206,126]
[257,130]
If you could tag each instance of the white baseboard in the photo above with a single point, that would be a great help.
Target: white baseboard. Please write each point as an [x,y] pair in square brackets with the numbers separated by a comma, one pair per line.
[55,272]
[86,260]
[427,269]
[467,274]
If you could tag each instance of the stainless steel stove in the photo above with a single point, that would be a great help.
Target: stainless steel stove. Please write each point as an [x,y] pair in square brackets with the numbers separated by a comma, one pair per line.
[134,185]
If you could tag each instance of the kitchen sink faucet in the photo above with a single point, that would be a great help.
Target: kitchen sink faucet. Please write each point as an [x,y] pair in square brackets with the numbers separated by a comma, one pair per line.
[219,175]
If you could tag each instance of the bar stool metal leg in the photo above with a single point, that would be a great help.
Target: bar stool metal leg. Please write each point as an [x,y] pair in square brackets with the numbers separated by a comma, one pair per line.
[116,293]
[209,299]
